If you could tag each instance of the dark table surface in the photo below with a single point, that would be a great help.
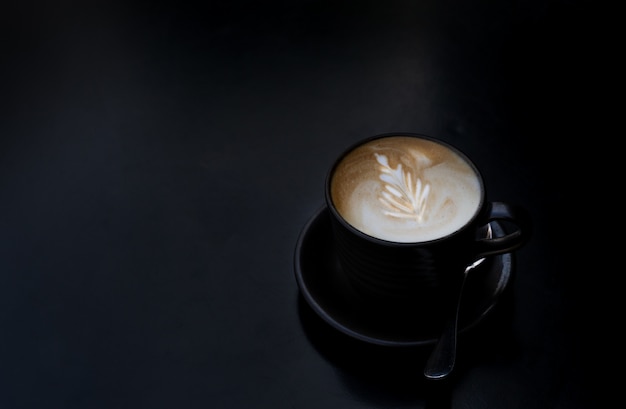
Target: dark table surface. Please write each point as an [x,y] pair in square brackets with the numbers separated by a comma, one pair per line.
[158,162]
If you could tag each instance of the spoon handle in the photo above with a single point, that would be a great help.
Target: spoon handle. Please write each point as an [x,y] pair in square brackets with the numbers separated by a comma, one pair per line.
[441,360]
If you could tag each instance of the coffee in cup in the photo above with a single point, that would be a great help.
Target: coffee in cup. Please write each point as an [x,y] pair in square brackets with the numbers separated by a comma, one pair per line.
[408,214]
[405,189]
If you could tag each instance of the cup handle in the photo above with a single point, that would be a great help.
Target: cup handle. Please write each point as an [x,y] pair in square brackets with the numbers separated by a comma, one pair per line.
[519,229]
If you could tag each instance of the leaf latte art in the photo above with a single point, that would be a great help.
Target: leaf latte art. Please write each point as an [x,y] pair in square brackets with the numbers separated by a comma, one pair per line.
[405,189]
[399,196]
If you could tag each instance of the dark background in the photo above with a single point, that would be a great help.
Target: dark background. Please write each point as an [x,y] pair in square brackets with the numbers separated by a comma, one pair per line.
[158,161]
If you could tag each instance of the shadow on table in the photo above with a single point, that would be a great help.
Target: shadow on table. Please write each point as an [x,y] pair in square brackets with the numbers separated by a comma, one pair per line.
[394,375]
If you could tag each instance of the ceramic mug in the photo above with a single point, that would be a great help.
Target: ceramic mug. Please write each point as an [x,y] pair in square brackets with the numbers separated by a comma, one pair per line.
[409,213]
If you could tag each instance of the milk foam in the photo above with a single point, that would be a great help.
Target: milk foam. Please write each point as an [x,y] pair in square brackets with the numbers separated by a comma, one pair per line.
[405,189]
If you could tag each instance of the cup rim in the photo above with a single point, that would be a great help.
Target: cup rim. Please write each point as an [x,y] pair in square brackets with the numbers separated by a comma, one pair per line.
[331,206]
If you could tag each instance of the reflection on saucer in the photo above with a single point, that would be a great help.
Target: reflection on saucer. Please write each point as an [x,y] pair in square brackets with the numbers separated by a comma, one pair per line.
[325,290]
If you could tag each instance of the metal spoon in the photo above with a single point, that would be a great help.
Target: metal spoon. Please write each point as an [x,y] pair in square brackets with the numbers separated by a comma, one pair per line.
[441,360]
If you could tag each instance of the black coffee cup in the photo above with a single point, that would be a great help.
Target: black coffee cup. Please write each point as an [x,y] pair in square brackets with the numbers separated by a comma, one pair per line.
[409,213]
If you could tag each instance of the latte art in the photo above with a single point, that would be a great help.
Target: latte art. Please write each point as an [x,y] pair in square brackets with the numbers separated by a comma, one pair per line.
[401,198]
[405,189]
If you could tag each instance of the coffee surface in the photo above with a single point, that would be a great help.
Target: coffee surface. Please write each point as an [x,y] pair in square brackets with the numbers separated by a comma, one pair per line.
[405,189]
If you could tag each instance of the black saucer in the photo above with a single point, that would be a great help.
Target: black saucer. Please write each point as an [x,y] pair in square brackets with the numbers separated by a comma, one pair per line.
[323,286]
